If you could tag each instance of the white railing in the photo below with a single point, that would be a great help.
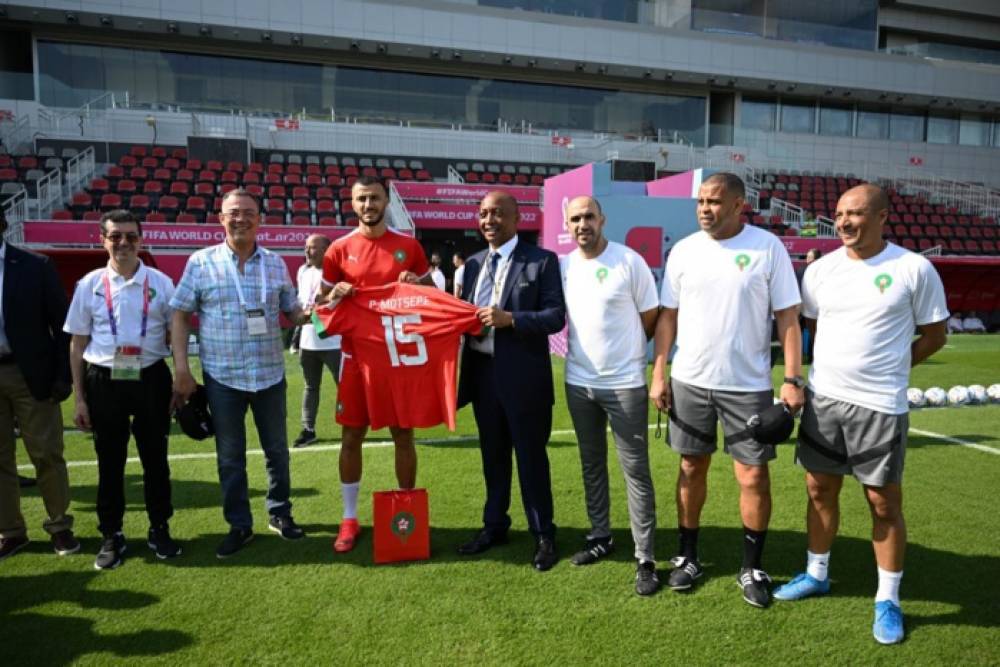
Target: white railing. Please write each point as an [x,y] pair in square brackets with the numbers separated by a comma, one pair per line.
[80,170]
[967,197]
[56,120]
[49,193]
[932,252]
[16,135]
[454,176]
[825,227]
[791,215]
[14,233]
[16,209]
[752,197]
[399,217]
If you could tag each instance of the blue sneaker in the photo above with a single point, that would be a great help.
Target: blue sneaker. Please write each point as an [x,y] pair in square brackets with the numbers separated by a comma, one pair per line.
[802,586]
[888,625]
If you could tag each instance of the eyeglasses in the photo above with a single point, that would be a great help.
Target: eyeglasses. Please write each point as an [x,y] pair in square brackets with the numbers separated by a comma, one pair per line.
[118,237]
[241,213]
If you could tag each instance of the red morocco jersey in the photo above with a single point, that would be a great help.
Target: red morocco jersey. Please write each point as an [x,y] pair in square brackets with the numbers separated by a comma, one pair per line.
[405,341]
[366,262]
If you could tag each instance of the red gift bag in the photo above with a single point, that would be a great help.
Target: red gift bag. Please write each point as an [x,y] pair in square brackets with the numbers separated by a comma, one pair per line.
[402,529]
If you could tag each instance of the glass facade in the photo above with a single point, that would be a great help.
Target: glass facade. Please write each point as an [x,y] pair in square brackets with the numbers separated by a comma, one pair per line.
[942,129]
[17,81]
[611,10]
[72,74]
[758,113]
[798,117]
[836,120]
[850,24]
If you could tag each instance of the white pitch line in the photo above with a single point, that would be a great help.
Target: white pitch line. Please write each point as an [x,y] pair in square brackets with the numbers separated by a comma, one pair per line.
[303,450]
[956,441]
[456,439]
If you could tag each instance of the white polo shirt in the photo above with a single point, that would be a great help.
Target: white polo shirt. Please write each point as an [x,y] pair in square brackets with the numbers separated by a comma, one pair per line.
[725,292]
[309,279]
[604,297]
[88,314]
[866,311]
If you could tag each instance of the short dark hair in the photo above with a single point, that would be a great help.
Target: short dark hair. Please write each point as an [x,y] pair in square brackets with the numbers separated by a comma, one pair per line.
[240,192]
[366,180]
[459,254]
[732,183]
[120,216]
[815,252]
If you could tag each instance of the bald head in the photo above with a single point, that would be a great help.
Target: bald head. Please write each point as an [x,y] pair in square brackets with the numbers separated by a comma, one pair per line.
[586,200]
[498,218]
[316,245]
[873,196]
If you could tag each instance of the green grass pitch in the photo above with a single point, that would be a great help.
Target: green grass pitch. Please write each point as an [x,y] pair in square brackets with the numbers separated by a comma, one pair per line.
[298,603]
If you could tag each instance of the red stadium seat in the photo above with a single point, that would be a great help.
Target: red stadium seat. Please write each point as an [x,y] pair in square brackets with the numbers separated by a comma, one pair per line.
[152,187]
[909,244]
[168,206]
[314,180]
[332,170]
[212,219]
[300,192]
[424,175]
[255,190]
[972,247]
[324,193]
[955,245]
[334,180]
[125,186]
[149,163]
[193,164]
[204,189]
[369,171]
[326,207]
[138,151]
[185,175]
[255,167]
[186,218]
[111,201]
[471,177]
[277,191]
[274,219]
[163,174]
[251,177]
[292,179]
[294,169]
[158,151]
[213,165]
[179,153]
[128,161]
[91,216]
[155,216]
[138,173]
[99,186]
[327,222]
[405,175]
[301,220]
[62,215]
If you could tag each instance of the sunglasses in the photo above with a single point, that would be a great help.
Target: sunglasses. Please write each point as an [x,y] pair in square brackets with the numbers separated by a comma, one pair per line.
[118,237]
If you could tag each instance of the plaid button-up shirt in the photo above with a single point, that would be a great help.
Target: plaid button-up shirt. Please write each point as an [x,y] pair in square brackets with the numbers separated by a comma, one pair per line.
[228,352]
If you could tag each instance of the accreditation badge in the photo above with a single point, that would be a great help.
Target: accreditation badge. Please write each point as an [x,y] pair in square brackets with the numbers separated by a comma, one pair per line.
[256,324]
[125,365]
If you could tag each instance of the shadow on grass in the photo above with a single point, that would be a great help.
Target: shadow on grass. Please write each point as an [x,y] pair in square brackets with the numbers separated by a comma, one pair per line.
[186,494]
[968,583]
[460,441]
[35,638]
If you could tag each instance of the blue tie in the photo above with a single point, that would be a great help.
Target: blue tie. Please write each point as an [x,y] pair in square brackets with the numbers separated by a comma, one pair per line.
[485,294]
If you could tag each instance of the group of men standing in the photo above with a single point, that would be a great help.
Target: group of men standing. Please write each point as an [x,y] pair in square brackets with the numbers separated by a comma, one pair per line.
[711,322]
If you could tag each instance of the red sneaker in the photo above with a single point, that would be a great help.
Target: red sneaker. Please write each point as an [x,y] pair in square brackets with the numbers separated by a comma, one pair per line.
[347,536]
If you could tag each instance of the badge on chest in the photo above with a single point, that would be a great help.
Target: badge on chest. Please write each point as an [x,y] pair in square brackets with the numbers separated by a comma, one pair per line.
[256,324]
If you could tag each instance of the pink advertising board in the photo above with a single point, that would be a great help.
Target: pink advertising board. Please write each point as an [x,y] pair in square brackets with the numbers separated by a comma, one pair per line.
[558,192]
[464,216]
[465,192]
[173,235]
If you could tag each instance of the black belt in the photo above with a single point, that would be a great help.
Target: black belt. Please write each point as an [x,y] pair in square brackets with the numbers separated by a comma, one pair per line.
[105,371]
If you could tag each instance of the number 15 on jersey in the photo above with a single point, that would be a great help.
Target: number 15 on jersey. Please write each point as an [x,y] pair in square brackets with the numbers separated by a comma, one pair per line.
[394,334]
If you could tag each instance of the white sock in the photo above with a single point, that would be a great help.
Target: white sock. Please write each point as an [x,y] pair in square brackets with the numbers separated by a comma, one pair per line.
[350,494]
[817,565]
[888,586]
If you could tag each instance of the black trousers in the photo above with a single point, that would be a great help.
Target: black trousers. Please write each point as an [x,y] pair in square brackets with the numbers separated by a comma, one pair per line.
[118,407]
[524,431]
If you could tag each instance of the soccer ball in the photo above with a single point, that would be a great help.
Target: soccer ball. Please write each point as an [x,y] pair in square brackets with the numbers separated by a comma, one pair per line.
[936,397]
[958,395]
[994,393]
[915,398]
[977,394]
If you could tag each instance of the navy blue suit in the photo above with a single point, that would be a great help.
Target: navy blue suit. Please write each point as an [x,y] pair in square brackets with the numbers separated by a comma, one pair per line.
[511,392]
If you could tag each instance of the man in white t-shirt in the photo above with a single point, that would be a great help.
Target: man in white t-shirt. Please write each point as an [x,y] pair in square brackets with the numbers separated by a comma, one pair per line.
[458,261]
[972,324]
[437,275]
[721,286]
[611,305]
[955,323]
[867,297]
[314,353]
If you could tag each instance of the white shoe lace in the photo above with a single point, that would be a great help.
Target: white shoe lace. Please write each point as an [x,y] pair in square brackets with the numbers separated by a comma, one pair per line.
[748,577]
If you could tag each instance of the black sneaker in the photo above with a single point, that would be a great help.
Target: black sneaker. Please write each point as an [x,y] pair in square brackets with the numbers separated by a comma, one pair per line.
[162,544]
[286,527]
[112,552]
[684,574]
[233,542]
[306,438]
[595,550]
[646,581]
[754,583]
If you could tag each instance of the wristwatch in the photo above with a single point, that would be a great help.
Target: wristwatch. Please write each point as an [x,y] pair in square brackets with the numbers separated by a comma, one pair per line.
[795,380]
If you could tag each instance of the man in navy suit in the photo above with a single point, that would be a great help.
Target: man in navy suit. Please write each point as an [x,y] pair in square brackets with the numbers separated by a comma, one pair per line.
[34,380]
[507,374]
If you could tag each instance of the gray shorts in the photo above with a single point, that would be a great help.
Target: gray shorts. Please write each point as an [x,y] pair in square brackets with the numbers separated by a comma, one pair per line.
[839,438]
[693,419]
